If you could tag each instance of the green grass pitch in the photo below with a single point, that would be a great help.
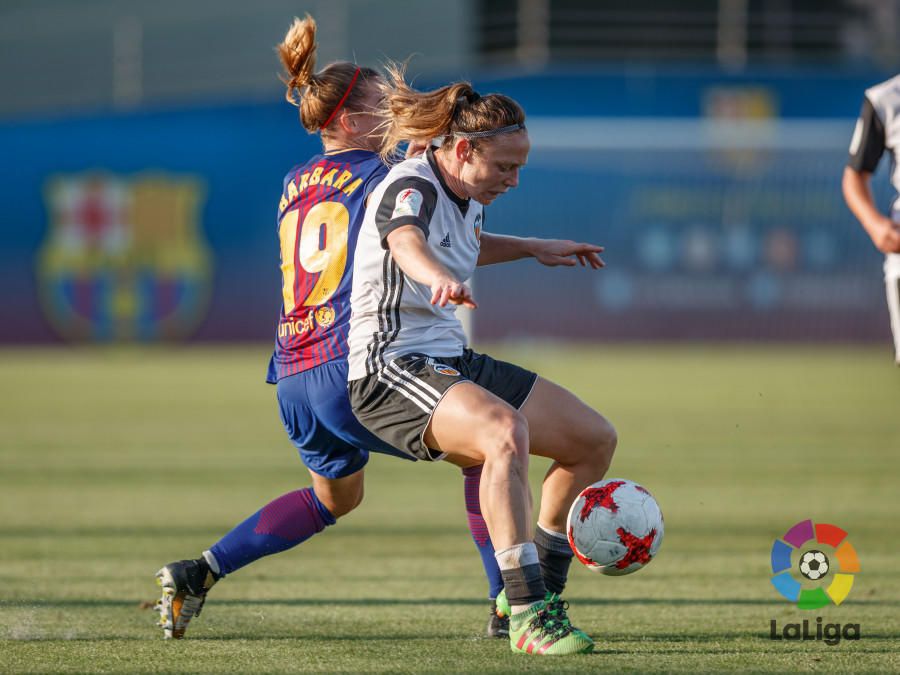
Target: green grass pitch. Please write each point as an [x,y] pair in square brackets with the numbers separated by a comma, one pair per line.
[113,462]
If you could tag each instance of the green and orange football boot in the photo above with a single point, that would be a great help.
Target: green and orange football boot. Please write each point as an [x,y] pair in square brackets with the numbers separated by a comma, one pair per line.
[538,632]
[556,606]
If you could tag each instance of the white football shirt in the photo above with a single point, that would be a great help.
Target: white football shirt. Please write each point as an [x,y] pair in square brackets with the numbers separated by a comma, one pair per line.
[392,314]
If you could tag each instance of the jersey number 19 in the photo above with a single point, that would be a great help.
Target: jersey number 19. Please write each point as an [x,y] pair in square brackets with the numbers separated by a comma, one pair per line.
[328,261]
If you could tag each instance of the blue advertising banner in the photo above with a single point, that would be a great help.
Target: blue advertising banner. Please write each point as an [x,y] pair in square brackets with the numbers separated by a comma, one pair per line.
[717,197]
[145,226]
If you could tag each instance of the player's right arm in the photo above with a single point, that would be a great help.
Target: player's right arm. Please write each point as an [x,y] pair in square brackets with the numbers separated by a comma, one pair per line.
[866,148]
[884,232]
[410,251]
[403,217]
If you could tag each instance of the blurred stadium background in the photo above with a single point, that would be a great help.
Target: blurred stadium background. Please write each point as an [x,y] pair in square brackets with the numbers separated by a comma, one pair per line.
[702,143]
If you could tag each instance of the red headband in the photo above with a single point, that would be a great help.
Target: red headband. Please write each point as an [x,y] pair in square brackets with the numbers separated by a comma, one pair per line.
[343,99]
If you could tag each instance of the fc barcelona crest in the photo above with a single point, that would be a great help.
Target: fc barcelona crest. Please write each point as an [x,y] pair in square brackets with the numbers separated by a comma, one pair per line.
[124,259]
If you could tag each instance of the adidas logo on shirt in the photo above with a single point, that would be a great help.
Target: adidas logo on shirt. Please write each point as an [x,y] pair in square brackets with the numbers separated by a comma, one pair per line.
[445,242]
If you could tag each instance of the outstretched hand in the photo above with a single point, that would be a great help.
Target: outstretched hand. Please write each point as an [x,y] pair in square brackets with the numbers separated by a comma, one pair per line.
[451,291]
[554,252]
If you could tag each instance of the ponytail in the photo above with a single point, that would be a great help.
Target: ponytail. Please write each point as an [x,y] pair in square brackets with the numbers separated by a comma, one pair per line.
[319,96]
[454,109]
[298,55]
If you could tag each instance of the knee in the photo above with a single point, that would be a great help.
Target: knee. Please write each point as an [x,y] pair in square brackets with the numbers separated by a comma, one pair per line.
[507,438]
[340,504]
[598,444]
[605,441]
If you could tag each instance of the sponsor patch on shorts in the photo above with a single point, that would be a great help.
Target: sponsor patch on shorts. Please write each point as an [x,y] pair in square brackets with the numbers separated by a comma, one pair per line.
[408,203]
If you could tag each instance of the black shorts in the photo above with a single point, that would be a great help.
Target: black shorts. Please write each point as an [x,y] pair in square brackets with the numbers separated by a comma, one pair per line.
[397,403]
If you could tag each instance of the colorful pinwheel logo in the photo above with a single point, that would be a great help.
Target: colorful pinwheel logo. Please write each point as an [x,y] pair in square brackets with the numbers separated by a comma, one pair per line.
[814,564]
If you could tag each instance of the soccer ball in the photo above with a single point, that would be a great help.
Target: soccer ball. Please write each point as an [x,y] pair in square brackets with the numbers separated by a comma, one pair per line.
[615,527]
[814,565]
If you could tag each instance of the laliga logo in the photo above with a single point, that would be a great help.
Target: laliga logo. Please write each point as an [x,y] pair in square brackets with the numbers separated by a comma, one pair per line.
[814,564]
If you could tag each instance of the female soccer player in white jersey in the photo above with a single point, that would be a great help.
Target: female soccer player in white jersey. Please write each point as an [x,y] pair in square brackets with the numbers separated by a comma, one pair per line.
[319,218]
[413,381]
[876,131]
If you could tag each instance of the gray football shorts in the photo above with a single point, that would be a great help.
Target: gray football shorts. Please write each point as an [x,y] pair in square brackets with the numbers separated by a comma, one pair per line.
[397,402]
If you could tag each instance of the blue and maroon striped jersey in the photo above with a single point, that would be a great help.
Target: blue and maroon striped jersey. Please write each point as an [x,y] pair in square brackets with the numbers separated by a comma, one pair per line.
[319,217]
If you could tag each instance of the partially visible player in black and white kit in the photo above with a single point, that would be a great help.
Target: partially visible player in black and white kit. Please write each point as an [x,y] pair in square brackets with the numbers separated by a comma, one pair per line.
[414,382]
[877,130]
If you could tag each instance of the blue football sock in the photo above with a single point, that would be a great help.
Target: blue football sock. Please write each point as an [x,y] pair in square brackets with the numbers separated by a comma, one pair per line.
[279,525]
[479,530]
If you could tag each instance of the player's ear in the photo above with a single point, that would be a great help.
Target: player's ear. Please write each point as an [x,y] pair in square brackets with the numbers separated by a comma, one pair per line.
[347,122]
[463,150]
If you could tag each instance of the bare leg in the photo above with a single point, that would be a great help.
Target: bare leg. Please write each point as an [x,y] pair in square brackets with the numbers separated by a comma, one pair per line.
[339,495]
[581,440]
[471,423]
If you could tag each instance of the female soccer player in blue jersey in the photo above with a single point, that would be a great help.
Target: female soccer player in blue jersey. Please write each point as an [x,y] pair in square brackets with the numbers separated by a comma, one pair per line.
[319,217]
[415,383]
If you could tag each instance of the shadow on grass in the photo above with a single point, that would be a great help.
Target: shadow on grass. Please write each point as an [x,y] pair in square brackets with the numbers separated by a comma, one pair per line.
[423,602]
[156,636]
[374,531]
[609,645]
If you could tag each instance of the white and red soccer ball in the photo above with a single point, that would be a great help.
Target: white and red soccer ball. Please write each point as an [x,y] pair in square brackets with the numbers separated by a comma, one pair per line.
[615,527]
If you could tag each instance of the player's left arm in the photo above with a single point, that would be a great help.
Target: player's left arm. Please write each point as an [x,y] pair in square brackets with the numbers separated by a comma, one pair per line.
[498,248]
